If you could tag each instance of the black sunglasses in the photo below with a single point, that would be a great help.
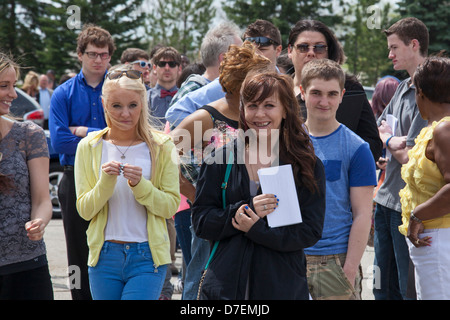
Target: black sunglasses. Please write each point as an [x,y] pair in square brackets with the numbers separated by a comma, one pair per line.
[318,48]
[132,74]
[262,41]
[172,64]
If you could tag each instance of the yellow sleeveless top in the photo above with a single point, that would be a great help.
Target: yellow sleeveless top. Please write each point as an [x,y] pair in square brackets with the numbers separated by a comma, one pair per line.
[423,179]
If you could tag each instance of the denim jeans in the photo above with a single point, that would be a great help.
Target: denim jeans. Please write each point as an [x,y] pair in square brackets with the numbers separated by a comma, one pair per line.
[391,256]
[200,251]
[182,225]
[126,272]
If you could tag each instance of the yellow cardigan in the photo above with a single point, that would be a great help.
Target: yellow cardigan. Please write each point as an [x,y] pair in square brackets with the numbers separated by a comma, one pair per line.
[160,196]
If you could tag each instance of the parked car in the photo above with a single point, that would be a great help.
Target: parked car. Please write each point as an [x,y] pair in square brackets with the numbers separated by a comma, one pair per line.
[25,108]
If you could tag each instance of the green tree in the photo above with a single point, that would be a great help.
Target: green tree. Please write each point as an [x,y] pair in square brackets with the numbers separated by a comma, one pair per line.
[39,34]
[20,31]
[436,16]
[282,13]
[181,24]
[364,41]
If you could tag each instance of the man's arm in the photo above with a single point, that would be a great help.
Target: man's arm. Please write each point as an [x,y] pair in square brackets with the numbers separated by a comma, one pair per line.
[361,199]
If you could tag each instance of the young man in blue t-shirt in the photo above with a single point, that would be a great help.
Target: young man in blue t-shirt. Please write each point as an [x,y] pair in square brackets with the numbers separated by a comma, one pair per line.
[334,270]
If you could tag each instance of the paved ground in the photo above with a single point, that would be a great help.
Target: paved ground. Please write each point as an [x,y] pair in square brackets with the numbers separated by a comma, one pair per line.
[56,254]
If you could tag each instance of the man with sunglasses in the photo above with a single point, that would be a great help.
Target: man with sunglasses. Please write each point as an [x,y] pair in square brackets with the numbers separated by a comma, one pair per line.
[75,110]
[138,58]
[167,66]
[265,37]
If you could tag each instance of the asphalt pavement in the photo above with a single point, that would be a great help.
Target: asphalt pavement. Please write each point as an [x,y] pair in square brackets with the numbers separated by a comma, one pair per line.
[57,259]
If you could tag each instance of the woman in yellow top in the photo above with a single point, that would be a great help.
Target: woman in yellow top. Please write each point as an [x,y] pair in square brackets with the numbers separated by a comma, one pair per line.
[426,196]
[126,178]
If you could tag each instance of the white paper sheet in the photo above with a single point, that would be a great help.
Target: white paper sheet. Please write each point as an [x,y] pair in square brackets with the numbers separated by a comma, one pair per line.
[280,181]
[392,122]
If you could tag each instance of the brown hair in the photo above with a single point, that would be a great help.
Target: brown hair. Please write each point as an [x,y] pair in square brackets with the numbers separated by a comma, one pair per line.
[133,54]
[263,28]
[432,78]
[408,29]
[96,36]
[296,147]
[335,51]
[325,69]
[167,53]
[237,63]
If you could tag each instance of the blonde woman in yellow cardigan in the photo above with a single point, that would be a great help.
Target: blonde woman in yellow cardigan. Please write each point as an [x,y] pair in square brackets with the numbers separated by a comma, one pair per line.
[126,178]
[426,196]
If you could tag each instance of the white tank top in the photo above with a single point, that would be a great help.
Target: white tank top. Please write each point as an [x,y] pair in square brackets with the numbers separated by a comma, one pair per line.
[127,219]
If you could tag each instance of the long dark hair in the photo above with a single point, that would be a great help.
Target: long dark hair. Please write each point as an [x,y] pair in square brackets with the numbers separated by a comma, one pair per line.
[295,144]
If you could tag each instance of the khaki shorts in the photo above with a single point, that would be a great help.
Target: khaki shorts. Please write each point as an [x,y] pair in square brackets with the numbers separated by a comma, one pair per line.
[327,280]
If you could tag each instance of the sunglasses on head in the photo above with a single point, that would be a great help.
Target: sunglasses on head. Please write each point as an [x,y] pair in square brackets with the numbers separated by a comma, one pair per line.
[172,64]
[262,41]
[132,74]
[318,48]
[142,64]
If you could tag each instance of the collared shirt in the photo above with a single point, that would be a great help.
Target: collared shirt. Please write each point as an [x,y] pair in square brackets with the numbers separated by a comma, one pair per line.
[402,106]
[192,101]
[44,101]
[74,103]
[158,106]
[192,83]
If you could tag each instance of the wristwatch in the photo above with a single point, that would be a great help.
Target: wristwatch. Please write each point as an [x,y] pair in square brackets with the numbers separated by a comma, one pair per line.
[413,217]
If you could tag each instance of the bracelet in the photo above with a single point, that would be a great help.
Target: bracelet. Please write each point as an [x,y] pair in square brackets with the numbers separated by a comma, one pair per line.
[413,217]
[75,131]
[387,141]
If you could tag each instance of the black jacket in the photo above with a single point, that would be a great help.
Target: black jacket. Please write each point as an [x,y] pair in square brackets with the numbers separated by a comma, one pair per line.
[356,114]
[271,260]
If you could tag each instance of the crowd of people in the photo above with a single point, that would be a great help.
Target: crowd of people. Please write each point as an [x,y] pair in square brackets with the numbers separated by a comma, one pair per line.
[160,153]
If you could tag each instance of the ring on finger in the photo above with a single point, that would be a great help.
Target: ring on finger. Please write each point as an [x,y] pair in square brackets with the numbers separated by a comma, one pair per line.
[417,241]
[240,214]
[265,207]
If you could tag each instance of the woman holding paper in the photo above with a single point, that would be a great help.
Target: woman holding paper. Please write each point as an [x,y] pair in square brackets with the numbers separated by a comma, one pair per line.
[254,260]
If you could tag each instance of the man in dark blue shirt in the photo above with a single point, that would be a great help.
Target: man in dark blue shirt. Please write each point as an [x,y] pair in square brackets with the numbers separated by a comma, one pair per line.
[75,110]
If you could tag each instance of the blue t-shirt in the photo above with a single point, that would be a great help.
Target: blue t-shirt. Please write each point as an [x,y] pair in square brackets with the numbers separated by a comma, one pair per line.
[348,162]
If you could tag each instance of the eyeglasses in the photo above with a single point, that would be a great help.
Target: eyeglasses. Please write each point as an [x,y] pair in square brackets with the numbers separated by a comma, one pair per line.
[262,41]
[142,64]
[162,64]
[94,55]
[318,48]
[132,74]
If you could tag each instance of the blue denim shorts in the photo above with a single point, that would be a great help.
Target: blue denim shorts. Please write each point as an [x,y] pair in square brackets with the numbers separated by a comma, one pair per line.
[126,272]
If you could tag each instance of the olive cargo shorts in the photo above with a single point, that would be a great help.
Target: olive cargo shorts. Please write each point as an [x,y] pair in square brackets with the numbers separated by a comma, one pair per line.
[327,280]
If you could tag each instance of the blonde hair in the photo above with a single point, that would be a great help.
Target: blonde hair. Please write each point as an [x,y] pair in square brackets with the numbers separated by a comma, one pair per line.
[31,80]
[144,127]
[7,62]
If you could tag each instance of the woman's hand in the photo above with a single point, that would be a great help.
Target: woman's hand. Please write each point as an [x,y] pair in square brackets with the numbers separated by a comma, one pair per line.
[414,229]
[132,173]
[244,218]
[35,229]
[112,168]
[265,204]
